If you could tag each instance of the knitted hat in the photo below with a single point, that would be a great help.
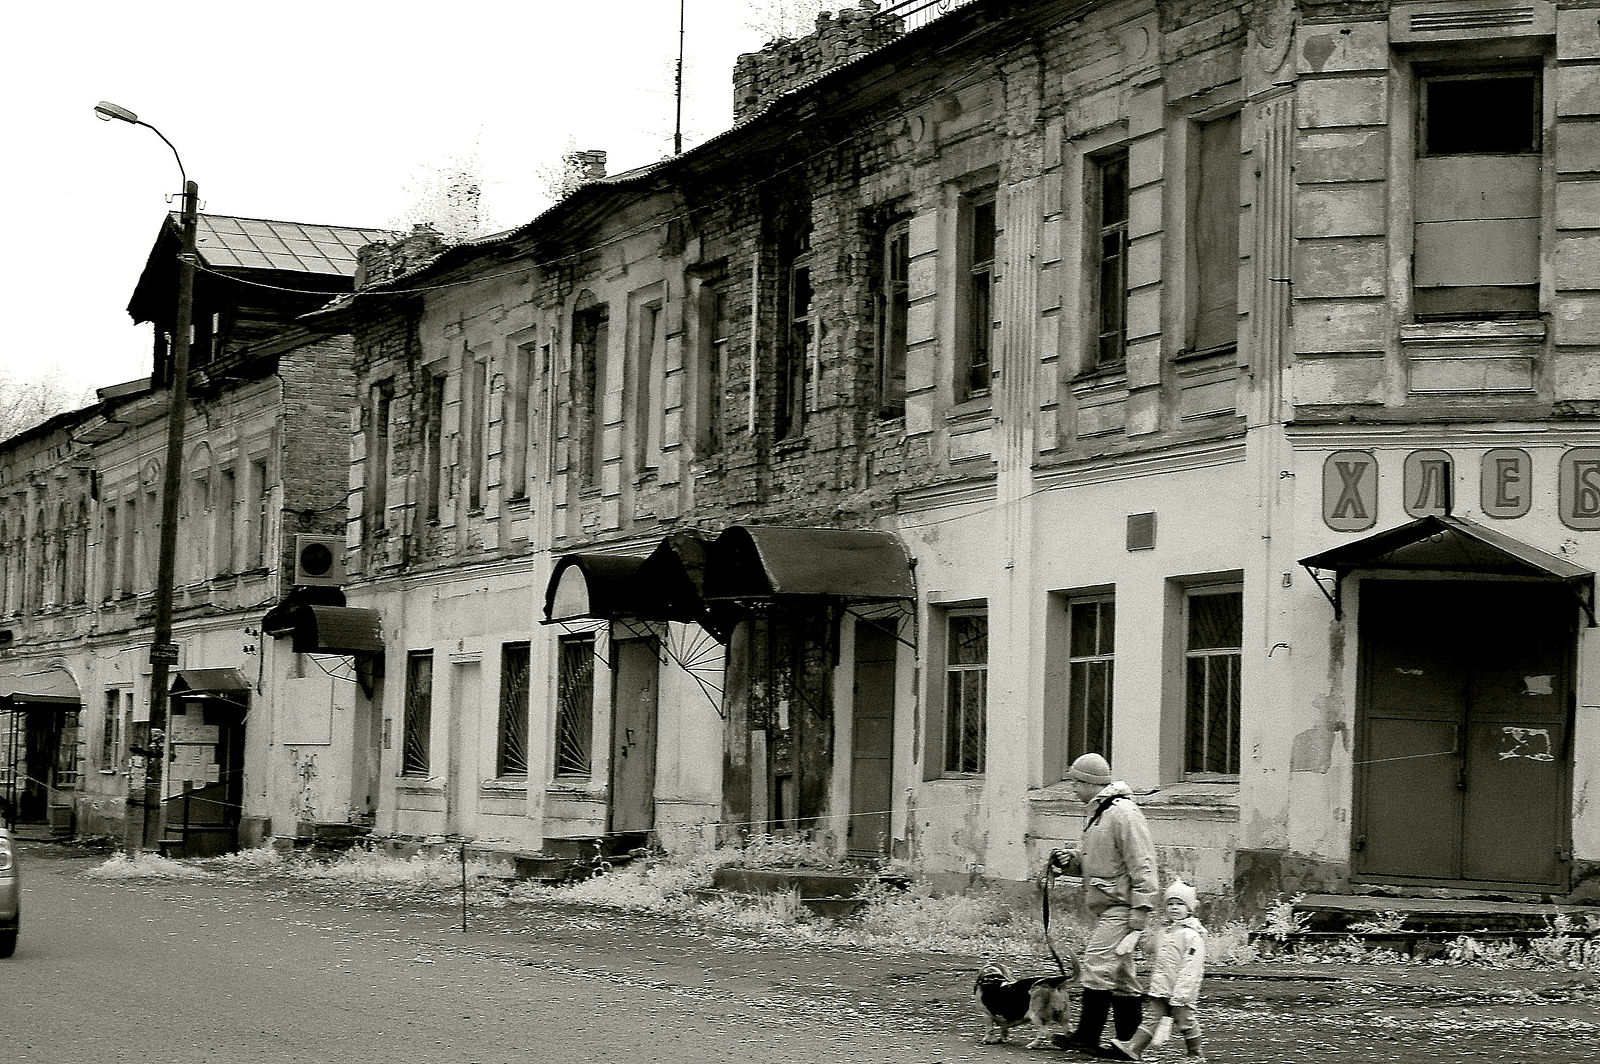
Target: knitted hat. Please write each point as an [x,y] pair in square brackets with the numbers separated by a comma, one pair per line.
[1181,891]
[1090,768]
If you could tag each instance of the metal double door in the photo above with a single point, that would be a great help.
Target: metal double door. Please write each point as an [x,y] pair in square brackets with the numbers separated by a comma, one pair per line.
[1463,763]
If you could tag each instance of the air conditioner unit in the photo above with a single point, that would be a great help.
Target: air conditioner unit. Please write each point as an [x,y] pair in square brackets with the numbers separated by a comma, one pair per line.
[318,560]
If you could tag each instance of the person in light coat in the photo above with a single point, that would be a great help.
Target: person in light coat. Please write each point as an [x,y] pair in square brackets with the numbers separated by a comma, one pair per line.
[1117,862]
[1175,978]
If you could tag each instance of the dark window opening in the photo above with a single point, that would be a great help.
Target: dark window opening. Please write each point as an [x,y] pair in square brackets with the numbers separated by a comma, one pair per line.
[511,757]
[976,373]
[794,345]
[1111,258]
[893,312]
[1477,115]
[417,726]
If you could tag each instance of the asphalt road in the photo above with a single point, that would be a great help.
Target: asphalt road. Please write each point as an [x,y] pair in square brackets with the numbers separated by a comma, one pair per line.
[269,972]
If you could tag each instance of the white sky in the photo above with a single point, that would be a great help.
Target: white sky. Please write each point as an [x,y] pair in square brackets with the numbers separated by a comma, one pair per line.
[323,111]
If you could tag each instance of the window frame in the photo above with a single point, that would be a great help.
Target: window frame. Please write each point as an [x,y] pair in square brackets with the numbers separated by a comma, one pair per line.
[511,738]
[574,707]
[1202,770]
[1103,655]
[978,276]
[892,313]
[1109,330]
[954,756]
[797,336]
[416,724]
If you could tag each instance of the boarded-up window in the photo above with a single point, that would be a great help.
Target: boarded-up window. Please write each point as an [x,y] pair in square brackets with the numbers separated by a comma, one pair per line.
[473,422]
[575,705]
[893,307]
[711,310]
[591,330]
[1477,195]
[1214,235]
[377,468]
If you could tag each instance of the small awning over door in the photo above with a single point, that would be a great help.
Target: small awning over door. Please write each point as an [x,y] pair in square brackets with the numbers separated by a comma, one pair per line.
[50,686]
[210,681]
[1450,544]
[753,562]
[591,587]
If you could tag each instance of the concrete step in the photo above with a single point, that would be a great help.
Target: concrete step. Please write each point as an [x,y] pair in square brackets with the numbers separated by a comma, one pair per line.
[1338,912]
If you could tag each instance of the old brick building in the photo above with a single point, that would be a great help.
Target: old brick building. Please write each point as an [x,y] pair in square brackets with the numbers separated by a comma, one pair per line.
[973,402]
[265,435]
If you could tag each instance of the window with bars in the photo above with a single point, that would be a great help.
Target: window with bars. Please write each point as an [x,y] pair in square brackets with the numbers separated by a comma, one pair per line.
[975,359]
[966,695]
[418,723]
[1214,627]
[1110,257]
[1091,625]
[511,755]
[575,706]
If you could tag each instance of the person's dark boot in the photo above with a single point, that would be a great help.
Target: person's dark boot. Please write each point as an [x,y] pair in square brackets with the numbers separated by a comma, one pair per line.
[1128,1012]
[1092,1013]
[1191,1046]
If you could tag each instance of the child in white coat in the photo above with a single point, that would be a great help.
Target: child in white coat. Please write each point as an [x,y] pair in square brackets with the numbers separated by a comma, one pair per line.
[1174,980]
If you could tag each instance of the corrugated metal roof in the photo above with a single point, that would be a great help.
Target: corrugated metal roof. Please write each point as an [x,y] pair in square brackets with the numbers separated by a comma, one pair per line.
[261,244]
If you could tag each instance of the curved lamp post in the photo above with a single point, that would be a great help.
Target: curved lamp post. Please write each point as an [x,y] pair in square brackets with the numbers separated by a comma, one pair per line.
[145,824]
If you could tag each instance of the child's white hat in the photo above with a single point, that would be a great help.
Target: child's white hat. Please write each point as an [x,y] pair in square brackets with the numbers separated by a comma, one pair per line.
[1181,891]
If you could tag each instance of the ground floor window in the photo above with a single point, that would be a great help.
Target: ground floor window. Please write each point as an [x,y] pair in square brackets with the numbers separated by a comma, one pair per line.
[1091,625]
[511,757]
[1214,638]
[417,725]
[575,706]
[966,691]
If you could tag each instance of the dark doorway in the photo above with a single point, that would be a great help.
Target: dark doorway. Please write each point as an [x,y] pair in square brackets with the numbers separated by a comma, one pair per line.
[872,739]
[1463,771]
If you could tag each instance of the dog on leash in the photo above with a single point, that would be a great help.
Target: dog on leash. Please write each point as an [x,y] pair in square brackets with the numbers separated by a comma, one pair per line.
[1044,1002]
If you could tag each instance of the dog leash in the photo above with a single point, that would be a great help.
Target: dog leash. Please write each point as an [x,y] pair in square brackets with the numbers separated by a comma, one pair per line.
[1044,893]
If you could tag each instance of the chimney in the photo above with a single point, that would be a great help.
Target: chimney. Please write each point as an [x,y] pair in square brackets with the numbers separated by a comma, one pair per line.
[761,77]
[586,166]
[383,261]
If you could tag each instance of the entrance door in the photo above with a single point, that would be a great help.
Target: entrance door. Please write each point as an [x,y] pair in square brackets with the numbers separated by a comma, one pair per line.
[872,740]
[633,735]
[1461,753]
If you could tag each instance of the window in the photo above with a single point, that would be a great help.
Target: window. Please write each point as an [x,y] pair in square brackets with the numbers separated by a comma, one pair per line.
[474,417]
[575,705]
[1091,626]
[648,357]
[108,730]
[111,552]
[433,450]
[417,727]
[794,343]
[378,457]
[80,555]
[1478,189]
[261,514]
[515,431]
[893,311]
[966,694]
[511,757]
[974,359]
[226,499]
[129,566]
[1213,207]
[590,336]
[1109,252]
[712,312]
[1214,627]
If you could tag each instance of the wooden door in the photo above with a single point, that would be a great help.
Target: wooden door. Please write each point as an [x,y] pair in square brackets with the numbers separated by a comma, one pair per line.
[1461,766]
[633,735]
[872,740]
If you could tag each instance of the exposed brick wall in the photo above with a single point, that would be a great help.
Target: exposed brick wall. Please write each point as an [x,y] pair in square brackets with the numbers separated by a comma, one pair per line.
[761,77]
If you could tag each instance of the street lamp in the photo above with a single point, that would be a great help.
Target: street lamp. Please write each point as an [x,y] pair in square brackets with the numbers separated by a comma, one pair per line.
[145,823]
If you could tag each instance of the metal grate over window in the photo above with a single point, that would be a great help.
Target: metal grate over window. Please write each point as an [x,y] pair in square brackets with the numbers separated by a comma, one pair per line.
[512,756]
[418,722]
[575,706]
[966,692]
[1213,652]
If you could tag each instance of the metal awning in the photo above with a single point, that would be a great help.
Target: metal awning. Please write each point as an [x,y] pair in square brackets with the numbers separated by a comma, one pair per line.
[754,562]
[591,587]
[49,686]
[319,629]
[1450,544]
[210,681]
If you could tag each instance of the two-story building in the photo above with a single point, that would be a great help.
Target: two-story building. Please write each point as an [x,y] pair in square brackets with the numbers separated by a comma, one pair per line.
[262,483]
